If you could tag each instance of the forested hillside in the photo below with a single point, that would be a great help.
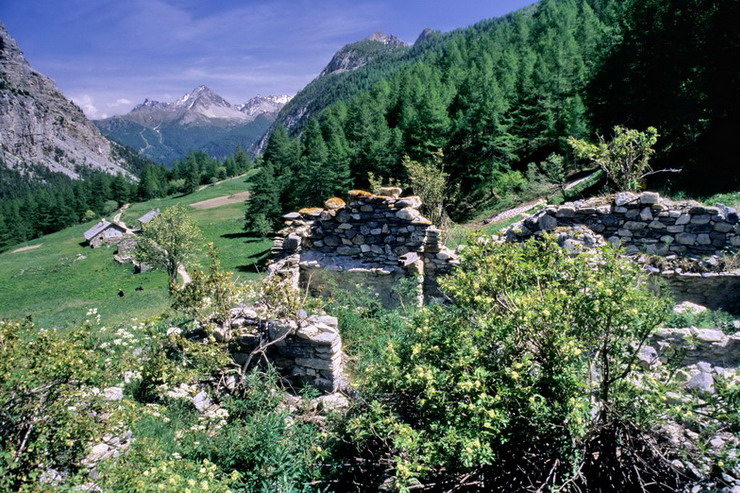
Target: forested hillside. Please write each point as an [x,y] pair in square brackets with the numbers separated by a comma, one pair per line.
[505,94]
[50,202]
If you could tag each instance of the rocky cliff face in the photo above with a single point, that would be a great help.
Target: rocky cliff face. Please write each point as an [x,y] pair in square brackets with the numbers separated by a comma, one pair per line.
[39,126]
[355,55]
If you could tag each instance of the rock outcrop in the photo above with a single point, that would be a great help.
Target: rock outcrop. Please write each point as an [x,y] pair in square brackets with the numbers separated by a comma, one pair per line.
[39,126]
[355,55]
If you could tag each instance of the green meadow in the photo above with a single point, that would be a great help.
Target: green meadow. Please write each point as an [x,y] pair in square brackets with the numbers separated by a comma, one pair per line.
[58,282]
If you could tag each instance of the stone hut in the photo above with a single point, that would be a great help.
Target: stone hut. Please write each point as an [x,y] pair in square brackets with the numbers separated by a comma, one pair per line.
[149,216]
[370,240]
[105,233]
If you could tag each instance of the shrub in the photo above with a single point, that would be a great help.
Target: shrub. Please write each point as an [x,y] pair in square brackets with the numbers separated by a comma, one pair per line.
[625,159]
[47,410]
[518,379]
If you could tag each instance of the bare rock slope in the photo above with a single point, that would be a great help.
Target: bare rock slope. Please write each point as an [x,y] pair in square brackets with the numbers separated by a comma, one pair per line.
[39,126]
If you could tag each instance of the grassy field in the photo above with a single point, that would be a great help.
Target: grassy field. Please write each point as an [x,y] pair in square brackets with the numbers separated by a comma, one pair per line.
[58,282]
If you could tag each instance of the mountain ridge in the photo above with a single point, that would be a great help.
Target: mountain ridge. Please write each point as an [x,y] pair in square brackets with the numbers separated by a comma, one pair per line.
[199,120]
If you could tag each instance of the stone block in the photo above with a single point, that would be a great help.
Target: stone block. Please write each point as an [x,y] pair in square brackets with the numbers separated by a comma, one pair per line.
[393,192]
[611,220]
[686,238]
[649,198]
[702,382]
[675,229]
[698,228]
[646,214]
[722,227]
[703,239]
[407,213]
[731,215]
[547,222]
[634,225]
[315,363]
[683,219]
[624,198]
[565,211]
[701,219]
[332,241]
[348,250]
[413,201]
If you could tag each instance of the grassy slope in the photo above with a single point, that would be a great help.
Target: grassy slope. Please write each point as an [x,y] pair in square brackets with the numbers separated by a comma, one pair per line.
[56,288]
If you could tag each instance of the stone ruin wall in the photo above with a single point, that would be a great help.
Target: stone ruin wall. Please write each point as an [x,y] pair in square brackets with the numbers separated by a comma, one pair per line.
[643,223]
[647,223]
[307,351]
[377,240]
[370,240]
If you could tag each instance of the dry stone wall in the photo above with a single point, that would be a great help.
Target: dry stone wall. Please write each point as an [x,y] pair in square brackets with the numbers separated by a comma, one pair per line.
[646,223]
[643,223]
[307,351]
[371,240]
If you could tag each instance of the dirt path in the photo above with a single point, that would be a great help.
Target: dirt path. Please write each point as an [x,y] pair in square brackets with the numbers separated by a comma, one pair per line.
[515,211]
[203,187]
[219,201]
[26,248]
[186,279]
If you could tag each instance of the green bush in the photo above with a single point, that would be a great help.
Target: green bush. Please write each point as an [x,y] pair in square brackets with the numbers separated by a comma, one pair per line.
[707,319]
[518,380]
[47,404]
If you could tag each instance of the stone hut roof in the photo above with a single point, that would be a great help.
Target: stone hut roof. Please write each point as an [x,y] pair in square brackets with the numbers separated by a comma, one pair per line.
[149,216]
[99,228]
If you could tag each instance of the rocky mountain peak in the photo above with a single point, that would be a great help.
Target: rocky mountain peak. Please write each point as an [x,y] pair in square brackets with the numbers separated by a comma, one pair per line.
[202,96]
[260,105]
[150,104]
[386,39]
[355,55]
[38,125]
[426,34]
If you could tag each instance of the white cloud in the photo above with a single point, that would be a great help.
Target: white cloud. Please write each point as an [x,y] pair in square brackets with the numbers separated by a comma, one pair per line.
[87,104]
[121,101]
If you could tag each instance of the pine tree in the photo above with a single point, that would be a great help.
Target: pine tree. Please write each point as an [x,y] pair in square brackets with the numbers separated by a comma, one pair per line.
[263,209]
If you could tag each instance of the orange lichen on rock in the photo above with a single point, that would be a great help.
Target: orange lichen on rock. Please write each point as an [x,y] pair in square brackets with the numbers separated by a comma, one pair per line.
[311,211]
[358,194]
[334,203]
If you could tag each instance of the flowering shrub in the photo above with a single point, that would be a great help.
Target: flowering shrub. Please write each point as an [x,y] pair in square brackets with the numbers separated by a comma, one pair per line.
[515,379]
[47,413]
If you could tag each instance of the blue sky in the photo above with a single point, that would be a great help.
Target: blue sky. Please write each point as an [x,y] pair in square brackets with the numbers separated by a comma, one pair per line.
[108,55]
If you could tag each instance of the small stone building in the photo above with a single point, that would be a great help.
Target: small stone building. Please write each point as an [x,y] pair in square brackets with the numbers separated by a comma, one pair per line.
[371,240]
[105,233]
[149,216]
